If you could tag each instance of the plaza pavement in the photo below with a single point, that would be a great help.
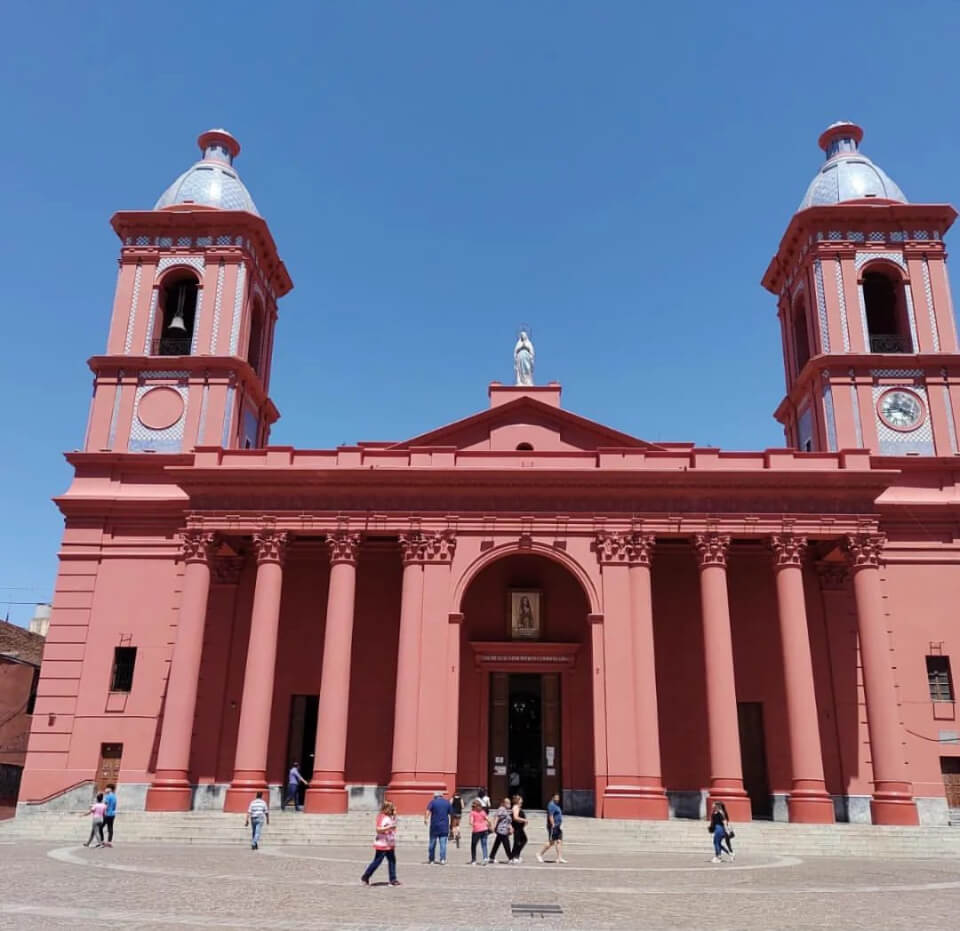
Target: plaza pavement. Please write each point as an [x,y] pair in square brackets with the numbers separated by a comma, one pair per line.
[164,886]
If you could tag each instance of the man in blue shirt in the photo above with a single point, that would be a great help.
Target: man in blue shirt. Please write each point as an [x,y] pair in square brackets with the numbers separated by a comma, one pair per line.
[294,781]
[438,816]
[110,798]
[554,830]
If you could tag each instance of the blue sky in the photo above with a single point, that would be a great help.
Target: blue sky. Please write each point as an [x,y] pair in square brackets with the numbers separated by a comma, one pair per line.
[614,174]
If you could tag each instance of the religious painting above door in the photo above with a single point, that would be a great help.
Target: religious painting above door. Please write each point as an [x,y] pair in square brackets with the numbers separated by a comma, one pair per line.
[525,610]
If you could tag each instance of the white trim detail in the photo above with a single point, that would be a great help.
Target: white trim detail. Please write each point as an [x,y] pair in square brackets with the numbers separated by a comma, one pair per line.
[217,304]
[821,305]
[237,308]
[843,305]
[928,293]
[132,316]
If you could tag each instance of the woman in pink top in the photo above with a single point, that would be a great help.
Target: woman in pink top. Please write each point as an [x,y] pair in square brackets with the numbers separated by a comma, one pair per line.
[479,825]
[384,844]
[97,810]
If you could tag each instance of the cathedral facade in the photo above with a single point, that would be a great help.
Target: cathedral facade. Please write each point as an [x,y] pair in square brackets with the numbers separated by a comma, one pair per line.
[524,598]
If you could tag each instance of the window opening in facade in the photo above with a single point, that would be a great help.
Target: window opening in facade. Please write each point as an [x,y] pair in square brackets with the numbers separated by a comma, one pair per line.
[124,659]
[939,678]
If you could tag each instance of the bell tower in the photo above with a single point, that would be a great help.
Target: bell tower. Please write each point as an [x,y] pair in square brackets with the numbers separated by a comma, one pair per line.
[188,354]
[867,325]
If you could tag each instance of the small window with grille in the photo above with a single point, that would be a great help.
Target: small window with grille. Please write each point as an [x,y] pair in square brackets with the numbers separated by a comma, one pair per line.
[939,678]
[124,659]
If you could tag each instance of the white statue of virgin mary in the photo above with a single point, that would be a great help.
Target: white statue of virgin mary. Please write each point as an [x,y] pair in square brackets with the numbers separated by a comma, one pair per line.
[523,356]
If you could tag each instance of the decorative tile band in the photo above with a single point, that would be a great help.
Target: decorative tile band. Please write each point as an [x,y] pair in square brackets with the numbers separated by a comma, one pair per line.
[227,414]
[203,414]
[116,408]
[197,262]
[217,304]
[911,316]
[132,316]
[829,419]
[843,305]
[237,308]
[151,320]
[821,305]
[951,424]
[928,294]
[855,404]
[895,257]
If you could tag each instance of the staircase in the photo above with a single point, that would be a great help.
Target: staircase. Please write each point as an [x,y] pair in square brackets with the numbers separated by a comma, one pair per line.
[586,835]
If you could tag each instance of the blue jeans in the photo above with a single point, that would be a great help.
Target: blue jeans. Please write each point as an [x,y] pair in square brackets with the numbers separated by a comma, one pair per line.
[378,858]
[293,795]
[256,828]
[718,836]
[433,845]
[479,837]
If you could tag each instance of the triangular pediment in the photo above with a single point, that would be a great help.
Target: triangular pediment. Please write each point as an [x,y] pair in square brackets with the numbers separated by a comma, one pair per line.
[526,420]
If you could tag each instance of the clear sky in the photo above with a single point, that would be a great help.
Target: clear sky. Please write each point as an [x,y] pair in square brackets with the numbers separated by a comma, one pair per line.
[616,175]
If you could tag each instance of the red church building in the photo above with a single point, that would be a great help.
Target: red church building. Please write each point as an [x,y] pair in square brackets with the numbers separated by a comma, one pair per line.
[523,597]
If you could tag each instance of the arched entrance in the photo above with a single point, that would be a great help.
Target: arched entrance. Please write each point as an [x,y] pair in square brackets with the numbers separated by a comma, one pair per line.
[526,700]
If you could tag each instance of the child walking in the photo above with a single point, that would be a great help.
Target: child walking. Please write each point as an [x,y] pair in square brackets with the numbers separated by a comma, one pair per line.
[384,844]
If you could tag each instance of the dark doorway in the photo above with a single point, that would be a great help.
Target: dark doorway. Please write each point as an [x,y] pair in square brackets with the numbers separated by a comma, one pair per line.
[753,758]
[302,736]
[524,753]
[524,737]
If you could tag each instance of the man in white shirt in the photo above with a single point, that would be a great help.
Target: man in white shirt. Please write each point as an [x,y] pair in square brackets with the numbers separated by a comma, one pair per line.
[257,814]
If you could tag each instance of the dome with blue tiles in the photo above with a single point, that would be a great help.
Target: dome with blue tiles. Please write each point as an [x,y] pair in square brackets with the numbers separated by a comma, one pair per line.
[213,181]
[848,174]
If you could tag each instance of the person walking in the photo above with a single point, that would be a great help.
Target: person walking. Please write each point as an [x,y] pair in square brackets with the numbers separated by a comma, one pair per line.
[97,811]
[519,818]
[479,828]
[502,827]
[554,830]
[257,814]
[484,800]
[294,781]
[456,813]
[728,832]
[718,830]
[110,814]
[384,845]
[437,816]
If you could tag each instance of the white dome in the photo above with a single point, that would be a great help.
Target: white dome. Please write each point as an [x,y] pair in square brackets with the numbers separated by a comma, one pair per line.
[211,182]
[847,173]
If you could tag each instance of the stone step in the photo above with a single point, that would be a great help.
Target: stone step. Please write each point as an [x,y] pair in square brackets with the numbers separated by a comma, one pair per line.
[588,834]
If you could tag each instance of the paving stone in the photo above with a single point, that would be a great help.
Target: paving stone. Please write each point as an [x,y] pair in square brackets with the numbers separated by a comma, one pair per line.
[146,886]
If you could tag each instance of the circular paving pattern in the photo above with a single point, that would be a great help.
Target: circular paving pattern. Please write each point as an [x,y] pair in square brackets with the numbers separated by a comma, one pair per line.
[147,886]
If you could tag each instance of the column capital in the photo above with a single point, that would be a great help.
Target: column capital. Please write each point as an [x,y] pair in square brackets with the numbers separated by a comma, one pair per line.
[624,549]
[832,575]
[344,547]
[864,550]
[788,550]
[198,545]
[419,547]
[712,549]
[271,546]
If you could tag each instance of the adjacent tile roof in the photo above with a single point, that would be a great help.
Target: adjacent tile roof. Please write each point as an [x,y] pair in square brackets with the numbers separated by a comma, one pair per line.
[20,643]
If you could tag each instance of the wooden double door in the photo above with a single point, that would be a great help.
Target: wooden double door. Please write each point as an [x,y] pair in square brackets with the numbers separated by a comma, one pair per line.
[524,737]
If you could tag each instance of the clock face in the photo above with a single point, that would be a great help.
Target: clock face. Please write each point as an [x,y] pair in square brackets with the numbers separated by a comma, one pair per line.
[900,409]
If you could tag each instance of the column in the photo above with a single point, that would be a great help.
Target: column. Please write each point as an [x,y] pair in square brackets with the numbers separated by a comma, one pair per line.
[250,763]
[420,714]
[651,797]
[809,801]
[726,773]
[892,791]
[171,790]
[327,791]
[633,786]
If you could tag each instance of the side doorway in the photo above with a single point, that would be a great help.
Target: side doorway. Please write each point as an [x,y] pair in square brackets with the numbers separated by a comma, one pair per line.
[753,759]
[108,770]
